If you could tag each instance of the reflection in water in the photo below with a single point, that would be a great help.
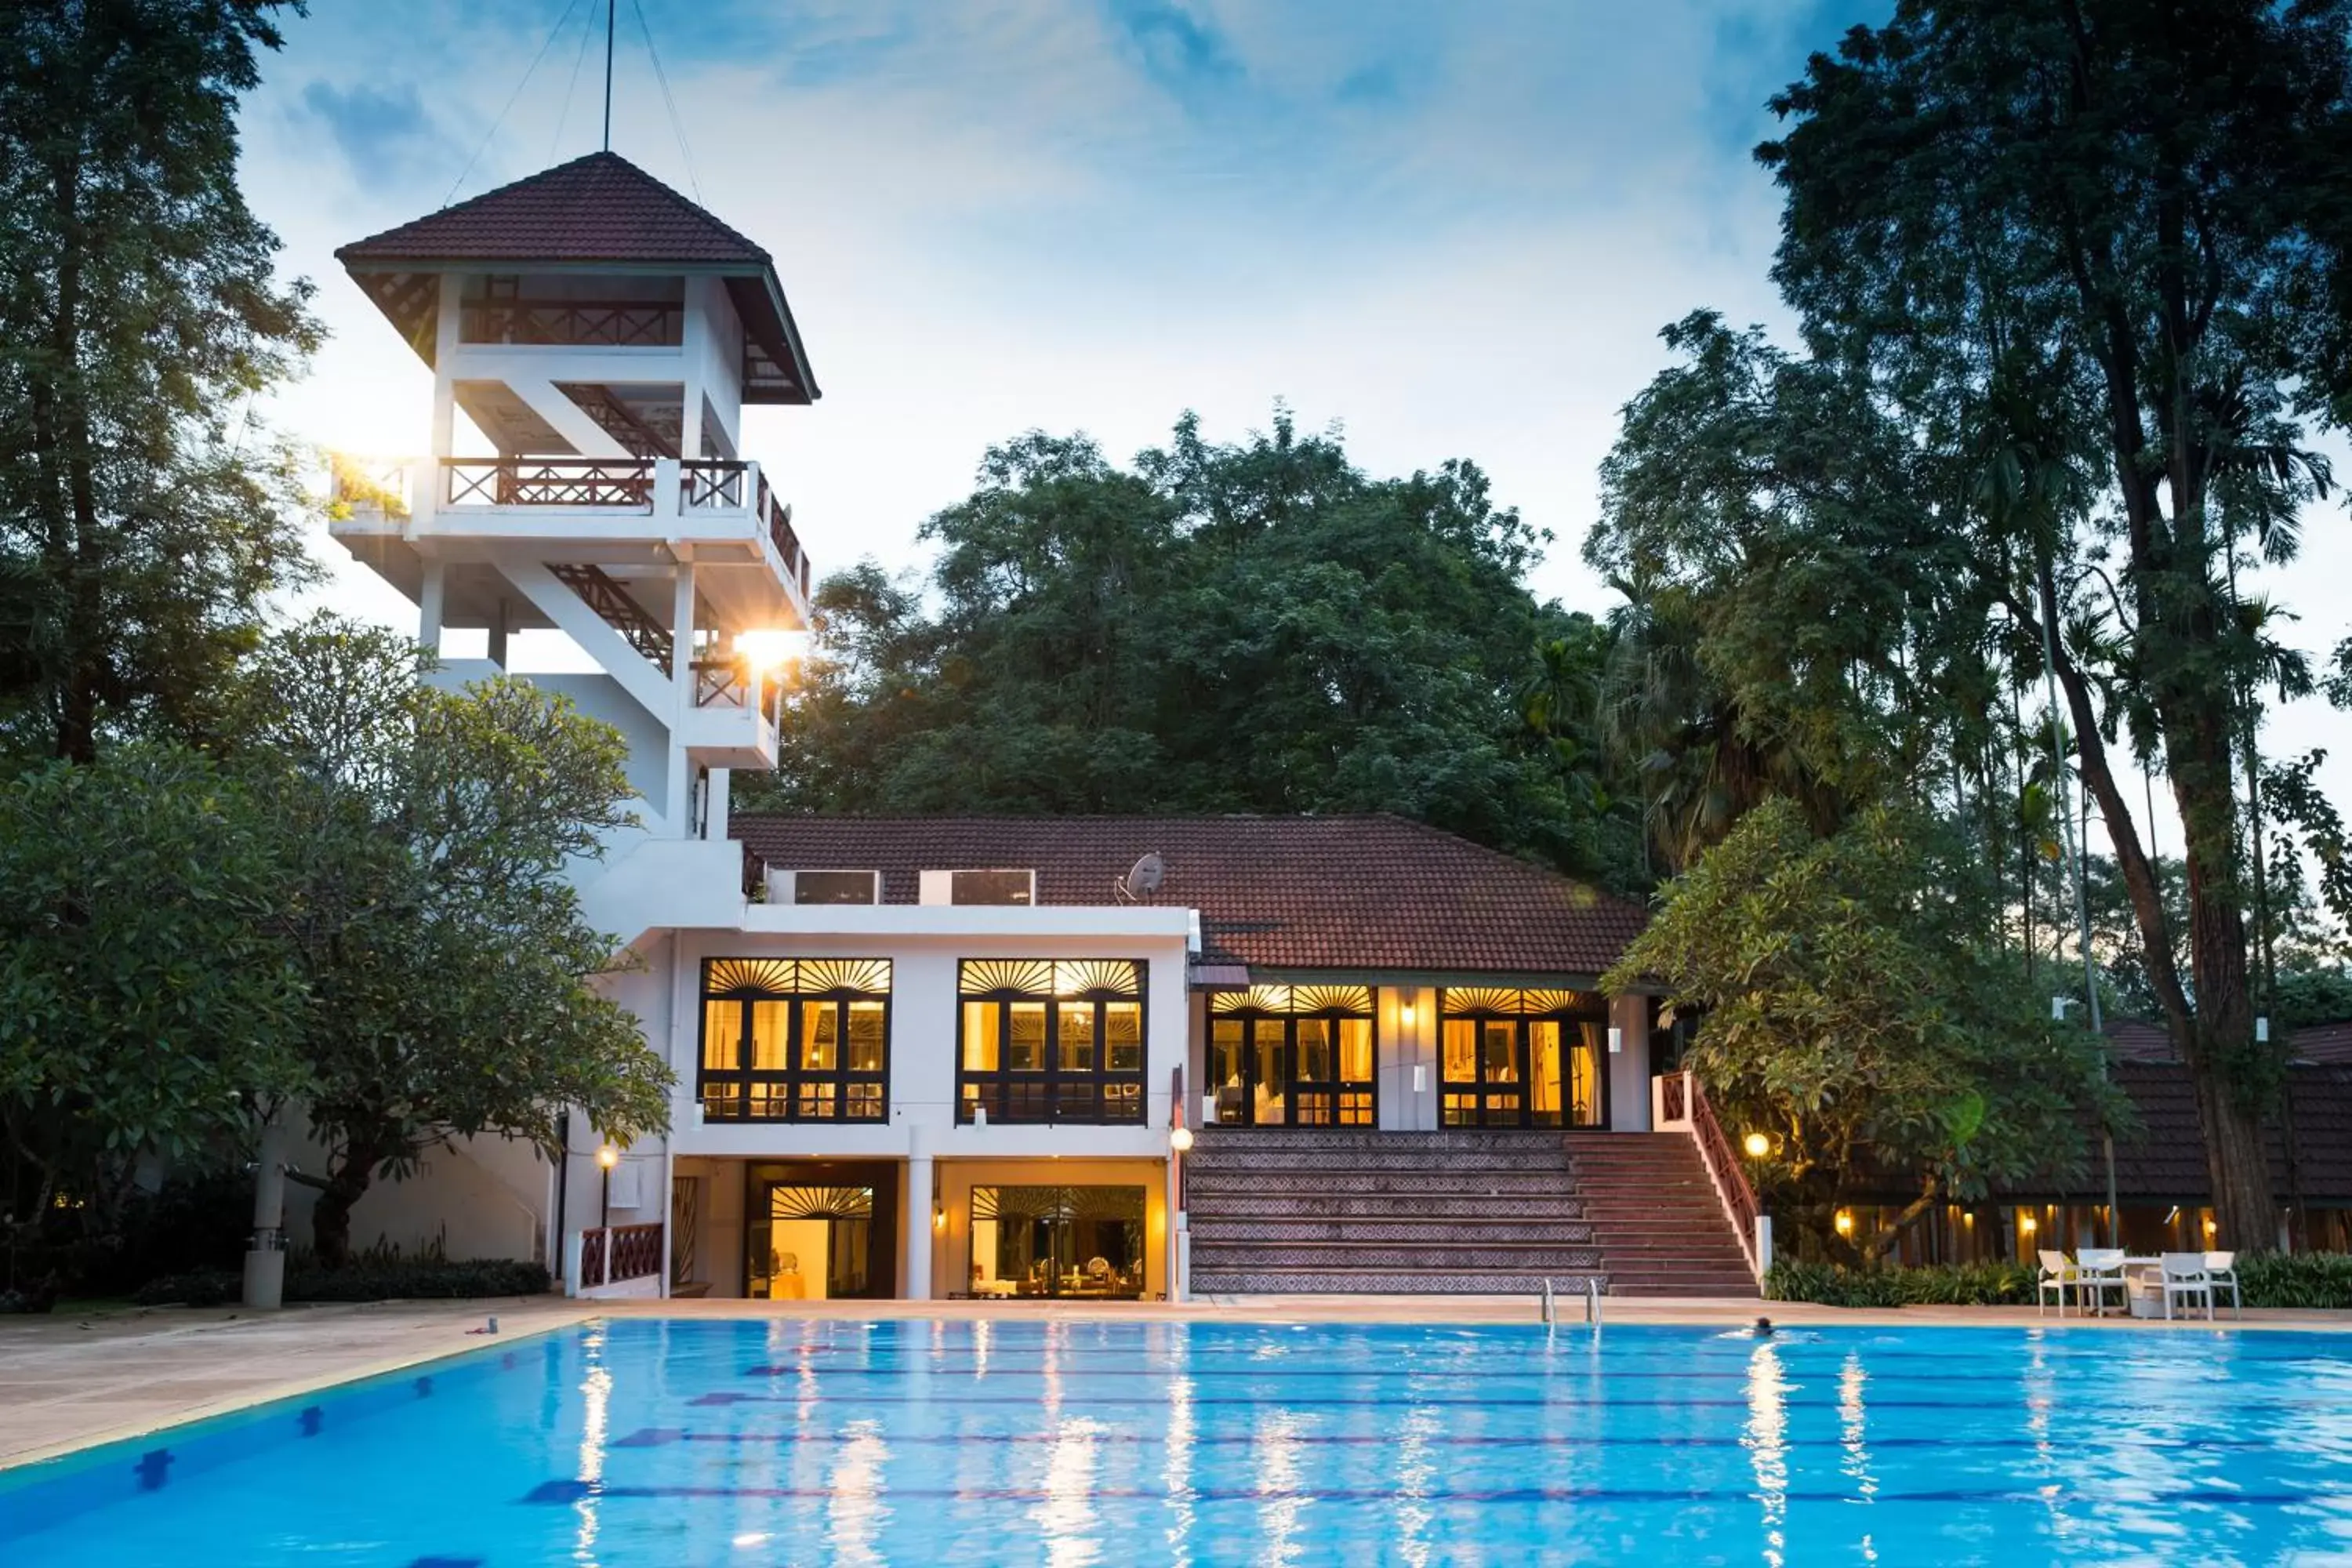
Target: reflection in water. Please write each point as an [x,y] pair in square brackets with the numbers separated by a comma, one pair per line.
[1183,1428]
[1853,1433]
[1276,1453]
[856,1511]
[1766,1442]
[1416,1468]
[1067,1518]
[596,1404]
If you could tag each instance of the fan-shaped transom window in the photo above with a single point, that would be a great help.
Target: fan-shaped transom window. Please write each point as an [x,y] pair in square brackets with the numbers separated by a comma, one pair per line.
[1294,1056]
[796,1039]
[1521,1057]
[1050,1040]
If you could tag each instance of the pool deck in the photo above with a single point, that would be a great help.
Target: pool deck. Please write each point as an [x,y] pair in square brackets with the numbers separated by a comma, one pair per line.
[73,1380]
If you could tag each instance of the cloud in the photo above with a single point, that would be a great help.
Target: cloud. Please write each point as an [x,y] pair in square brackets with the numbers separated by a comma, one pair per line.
[1176,48]
[383,133]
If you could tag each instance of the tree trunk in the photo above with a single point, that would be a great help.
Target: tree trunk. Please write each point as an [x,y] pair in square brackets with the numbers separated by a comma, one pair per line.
[330,1218]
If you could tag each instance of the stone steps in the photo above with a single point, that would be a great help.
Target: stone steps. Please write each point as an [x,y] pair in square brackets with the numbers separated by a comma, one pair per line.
[1329,1210]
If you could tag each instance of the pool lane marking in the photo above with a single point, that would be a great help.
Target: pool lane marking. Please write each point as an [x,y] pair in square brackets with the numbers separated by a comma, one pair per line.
[2107,1409]
[574,1491]
[662,1436]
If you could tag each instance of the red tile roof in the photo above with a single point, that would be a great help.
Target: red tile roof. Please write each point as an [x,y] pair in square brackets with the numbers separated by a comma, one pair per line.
[599,209]
[2138,1040]
[1277,892]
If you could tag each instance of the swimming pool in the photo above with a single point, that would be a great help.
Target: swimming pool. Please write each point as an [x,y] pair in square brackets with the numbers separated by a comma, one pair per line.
[1027,1440]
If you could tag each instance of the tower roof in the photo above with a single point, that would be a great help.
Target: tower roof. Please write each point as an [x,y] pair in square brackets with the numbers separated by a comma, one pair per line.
[596,212]
[599,209]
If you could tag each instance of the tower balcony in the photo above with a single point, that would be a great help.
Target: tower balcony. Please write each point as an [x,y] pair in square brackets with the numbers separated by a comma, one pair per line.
[623,514]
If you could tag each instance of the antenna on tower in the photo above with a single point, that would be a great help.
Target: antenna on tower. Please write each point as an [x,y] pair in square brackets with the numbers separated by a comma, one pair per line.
[608,72]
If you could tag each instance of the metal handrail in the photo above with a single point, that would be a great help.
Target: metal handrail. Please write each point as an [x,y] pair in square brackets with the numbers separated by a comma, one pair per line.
[1723,1165]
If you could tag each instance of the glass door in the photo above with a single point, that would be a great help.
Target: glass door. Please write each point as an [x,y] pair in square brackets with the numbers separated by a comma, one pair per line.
[1520,1072]
[809,1243]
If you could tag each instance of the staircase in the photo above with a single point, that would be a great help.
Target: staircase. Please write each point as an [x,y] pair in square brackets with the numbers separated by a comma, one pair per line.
[1322,1211]
[1283,1212]
[1661,1229]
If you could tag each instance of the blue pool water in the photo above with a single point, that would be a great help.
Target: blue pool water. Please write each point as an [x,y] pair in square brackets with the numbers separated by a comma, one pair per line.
[1030,1441]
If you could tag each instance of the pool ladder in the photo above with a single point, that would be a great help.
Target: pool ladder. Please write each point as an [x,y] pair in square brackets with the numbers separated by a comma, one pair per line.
[1591,1302]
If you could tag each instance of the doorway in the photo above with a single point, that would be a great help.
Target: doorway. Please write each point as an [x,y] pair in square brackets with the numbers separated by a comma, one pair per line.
[818,1231]
[1502,1071]
[1298,1071]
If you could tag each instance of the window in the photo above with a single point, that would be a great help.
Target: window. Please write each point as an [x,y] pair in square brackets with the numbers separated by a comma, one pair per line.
[1294,1056]
[835,887]
[1516,1058]
[1041,1040]
[796,1039]
[1057,1241]
[992,886]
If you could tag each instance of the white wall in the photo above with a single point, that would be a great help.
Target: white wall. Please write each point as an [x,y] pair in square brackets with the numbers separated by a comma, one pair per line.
[481,1197]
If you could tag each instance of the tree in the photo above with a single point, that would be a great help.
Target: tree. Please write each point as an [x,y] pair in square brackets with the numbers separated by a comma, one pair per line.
[142,521]
[2083,256]
[451,976]
[1849,1001]
[1256,627]
[148,1000]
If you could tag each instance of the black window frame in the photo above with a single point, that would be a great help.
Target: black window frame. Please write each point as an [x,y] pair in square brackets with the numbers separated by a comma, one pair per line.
[728,1094]
[1483,1011]
[1095,1097]
[1340,1088]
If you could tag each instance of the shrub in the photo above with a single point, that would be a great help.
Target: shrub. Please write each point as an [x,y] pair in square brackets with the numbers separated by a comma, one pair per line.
[363,1283]
[2297,1279]
[1941,1285]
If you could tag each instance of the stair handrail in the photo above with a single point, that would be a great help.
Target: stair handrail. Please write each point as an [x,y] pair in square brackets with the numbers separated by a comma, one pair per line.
[1723,1168]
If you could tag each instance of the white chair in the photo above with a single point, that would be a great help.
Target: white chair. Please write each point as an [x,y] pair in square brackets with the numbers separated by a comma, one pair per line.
[2057,1275]
[2097,1270]
[2222,1268]
[2184,1277]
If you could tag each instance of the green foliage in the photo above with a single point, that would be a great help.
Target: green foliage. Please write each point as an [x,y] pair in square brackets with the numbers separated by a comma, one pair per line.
[448,967]
[1993,1284]
[142,521]
[147,996]
[2306,1280]
[1851,1006]
[1256,627]
[393,1280]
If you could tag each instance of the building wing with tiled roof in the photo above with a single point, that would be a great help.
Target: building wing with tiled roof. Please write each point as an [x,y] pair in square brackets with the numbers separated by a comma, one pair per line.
[1299,894]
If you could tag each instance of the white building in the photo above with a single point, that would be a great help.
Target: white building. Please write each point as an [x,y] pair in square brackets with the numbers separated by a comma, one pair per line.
[927,1058]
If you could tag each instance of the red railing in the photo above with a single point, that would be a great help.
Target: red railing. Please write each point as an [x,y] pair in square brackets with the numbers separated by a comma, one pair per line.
[612,324]
[1723,1165]
[550,482]
[619,1253]
[779,530]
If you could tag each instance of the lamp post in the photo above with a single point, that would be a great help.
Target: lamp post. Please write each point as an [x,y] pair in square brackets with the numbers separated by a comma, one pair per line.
[607,1158]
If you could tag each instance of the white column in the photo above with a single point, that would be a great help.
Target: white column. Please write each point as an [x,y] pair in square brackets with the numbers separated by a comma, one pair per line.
[431,599]
[917,1285]
[1628,1064]
[497,647]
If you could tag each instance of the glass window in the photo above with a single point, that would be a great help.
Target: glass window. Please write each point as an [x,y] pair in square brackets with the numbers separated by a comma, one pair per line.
[981,1032]
[1521,1057]
[768,1036]
[1498,1056]
[820,1036]
[1077,1040]
[1025,1050]
[1123,1031]
[1356,1049]
[1051,1040]
[866,1037]
[722,1035]
[1461,1063]
[1313,1049]
[1057,1241]
[772,1039]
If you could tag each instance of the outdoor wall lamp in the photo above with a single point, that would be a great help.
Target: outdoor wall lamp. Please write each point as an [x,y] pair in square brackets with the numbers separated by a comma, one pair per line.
[1180,1139]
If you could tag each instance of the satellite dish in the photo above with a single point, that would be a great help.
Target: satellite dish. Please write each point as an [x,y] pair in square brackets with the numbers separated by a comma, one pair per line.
[1142,878]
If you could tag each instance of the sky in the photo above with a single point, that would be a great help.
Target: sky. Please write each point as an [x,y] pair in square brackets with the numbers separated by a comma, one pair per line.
[1453,229]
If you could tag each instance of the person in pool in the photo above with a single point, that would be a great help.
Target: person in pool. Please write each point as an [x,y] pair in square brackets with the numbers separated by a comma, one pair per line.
[1763,1328]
